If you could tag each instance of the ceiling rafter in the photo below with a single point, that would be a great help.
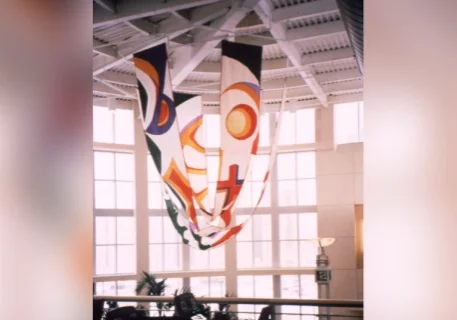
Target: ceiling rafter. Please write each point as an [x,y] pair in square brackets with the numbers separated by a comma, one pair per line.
[304,10]
[264,11]
[137,9]
[189,57]
[108,5]
[168,29]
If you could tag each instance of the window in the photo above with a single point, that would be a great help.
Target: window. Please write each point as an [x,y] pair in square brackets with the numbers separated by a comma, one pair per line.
[296,179]
[117,288]
[348,119]
[114,176]
[212,259]
[155,195]
[294,287]
[115,245]
[252,187]
[298,127]
[113,126]
[294,230]
[253,287]
[165,245]
[254,242]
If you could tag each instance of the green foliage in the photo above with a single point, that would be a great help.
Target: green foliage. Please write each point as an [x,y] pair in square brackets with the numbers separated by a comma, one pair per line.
[152,287]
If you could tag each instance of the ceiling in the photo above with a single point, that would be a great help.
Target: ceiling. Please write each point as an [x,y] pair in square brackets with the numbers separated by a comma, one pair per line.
[304,42]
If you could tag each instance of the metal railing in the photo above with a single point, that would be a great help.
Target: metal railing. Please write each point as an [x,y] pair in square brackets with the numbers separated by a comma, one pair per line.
[346,309]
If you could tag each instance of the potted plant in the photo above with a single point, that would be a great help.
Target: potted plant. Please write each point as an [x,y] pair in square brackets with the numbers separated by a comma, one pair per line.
[152,286]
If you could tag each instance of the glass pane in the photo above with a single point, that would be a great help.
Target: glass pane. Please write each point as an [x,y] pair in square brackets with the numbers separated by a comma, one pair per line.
[153,174]
[361,121]
[308,287]
[306,165]
[212,125]
[170,235]
[123,126]
[173,285]
[246,233]
[261,227]
[287,193]
[124,195]
[259,167]
[289,253]
[126,259]
[125,170]
[307,192]
[307,223]
[105,230]
[263,287]
[126,288]
[244,255]
[264,138]
[200,286]
[155,197]
[217,258]
[256,191]
[155,230]
[104,195]
[290,287]
[105,260]
[103,165]
[288,229]
[199,260]
[212,167]
[103,125]
[306,128]
[287,133]
[107,288]
[308,252]
[155,257]
[286,165]
[245,286]
[217,287]
[346,123]
[262,254]
[172,256]
[126,230]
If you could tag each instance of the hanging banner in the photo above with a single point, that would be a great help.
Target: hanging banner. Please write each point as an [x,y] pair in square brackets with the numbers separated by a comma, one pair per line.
[240,122]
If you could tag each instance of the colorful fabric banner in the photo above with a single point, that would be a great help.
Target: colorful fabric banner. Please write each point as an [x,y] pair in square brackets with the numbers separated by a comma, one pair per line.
[240,122]
[173,130]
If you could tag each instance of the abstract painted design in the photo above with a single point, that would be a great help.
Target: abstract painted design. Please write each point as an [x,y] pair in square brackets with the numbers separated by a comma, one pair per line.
[173,128]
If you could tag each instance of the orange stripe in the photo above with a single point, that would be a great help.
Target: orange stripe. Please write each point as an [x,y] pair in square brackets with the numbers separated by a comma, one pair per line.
[246,89]
[147,68]
[196,171]
[188,136]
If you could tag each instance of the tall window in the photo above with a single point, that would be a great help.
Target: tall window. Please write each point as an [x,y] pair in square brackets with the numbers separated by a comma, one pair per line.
[165,245]
[155,197]
[252,187]
[295,231]
[114,176]
[253,287]
[115,245]
[348,119]
[295,287]
[254,242]
[298,127]
[213,259]
[296,179]
[113,126]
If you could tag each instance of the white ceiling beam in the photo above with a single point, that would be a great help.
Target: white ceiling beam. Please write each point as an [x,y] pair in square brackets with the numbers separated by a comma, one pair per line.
[104,49]
[137,9]
[99,88]
[107,5]
[271,107]
[277,84]
[304,10]
[171,27]
[264,11]
[187,59]
[267,67]
[142,26]
[315,31]
[294,93]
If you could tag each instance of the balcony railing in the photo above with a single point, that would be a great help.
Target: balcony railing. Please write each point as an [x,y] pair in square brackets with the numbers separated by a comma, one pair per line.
[342,309]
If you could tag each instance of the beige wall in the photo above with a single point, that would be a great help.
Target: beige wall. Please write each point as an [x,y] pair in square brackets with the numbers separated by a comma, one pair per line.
[339,188]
